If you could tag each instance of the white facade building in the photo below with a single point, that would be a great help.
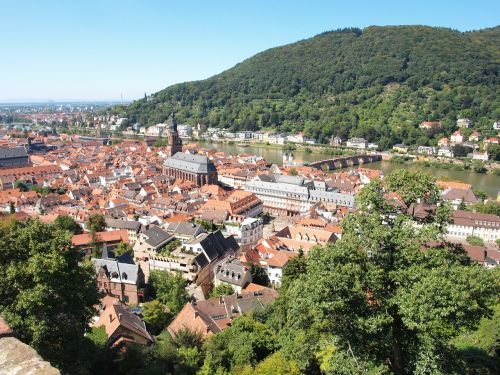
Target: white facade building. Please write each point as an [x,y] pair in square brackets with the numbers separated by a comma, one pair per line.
[247,232]
[357,143]
[292,195]
[465,224]
[446,152]
[476,155]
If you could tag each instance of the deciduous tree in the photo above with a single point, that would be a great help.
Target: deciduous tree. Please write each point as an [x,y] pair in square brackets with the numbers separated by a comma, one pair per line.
[45,294]
[382,294]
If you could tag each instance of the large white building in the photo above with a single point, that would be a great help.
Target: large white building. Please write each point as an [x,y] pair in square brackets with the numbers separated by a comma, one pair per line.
[293,195]
[465,224]
[357,143]
[247,232]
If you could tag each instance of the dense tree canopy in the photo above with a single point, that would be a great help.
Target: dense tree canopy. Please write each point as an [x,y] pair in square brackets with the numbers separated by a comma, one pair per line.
[383,298]
[246,342]
[221,290]
[170,290]
[68,223]
[156,315]
[96,223]
[378,83]
[45,295]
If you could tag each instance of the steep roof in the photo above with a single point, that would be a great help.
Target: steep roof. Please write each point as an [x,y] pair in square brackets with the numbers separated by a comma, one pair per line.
[12,152]
[117,272]
[191,163]
[155,236]
[106,236]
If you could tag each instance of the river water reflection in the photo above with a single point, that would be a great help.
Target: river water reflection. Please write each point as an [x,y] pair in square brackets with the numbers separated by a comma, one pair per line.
[486,182]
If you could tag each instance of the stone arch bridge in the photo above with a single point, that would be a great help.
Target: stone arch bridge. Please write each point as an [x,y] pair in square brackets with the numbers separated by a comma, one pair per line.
[345,161]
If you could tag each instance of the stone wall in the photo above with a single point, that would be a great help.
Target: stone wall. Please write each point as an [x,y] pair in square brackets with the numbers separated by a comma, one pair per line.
[17,358]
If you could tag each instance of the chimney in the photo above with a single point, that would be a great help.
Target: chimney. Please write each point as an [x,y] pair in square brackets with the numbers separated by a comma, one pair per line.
[119,316]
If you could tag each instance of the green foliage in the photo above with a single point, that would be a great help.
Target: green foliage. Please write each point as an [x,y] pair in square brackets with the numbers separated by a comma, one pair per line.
[378,298]
[45,295]
[266,217]
[294,172]
[487,208]
[275,364]
[98,337]
[412,186]
[494,152]
[221,290]
[479,167]
[170,289]
[156,315]
[209,226]
[171,246]
[123,248]
[161,142]
[480,349]
[475,240]
[461,151]
[378,83]
[42,190]
[164,357]
[96,223]
[259,275]
[65,222]
[21,185]
[188,339]
[245,342]
[480,194]
[293,269]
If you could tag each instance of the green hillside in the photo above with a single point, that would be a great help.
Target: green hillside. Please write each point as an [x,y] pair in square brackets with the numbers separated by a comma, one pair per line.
[378,83]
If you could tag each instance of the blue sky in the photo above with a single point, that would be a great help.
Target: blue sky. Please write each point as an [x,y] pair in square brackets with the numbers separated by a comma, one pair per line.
[101,49]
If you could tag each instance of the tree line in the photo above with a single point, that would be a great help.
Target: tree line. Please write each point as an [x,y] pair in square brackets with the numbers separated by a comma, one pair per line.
[378,83]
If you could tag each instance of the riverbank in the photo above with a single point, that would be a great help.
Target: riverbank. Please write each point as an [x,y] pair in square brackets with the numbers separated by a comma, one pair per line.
[288,147]
[474,166]
[487,182]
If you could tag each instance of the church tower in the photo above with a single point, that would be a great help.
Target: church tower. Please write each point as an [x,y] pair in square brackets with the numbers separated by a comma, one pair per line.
[174,142]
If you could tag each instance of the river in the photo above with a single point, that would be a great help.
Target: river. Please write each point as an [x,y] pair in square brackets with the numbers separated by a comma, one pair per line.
[488,183]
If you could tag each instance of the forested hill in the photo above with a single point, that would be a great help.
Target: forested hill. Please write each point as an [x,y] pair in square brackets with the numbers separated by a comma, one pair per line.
[378,83]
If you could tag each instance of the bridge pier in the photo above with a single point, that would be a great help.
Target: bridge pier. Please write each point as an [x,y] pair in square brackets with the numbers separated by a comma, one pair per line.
[346,161]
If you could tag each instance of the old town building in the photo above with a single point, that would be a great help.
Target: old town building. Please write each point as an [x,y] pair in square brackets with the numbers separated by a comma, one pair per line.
[195,168]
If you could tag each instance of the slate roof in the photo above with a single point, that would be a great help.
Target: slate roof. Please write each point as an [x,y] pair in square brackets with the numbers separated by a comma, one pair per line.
[191,163]
[459,194]
[118,272]
[12,152]
[123,224]
[215,246]
[156,236]
[232,272]
[183,228]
